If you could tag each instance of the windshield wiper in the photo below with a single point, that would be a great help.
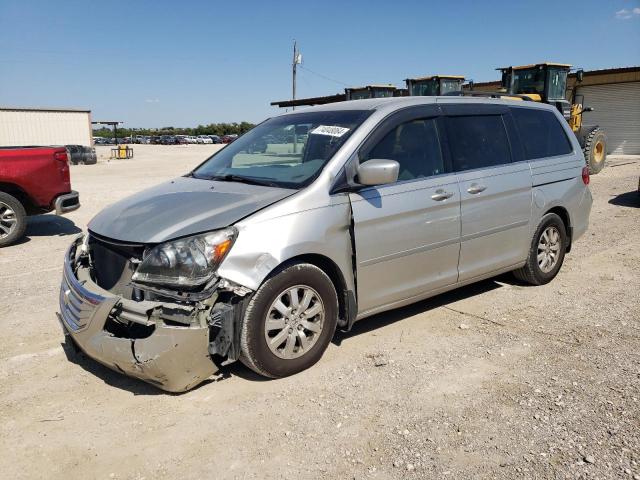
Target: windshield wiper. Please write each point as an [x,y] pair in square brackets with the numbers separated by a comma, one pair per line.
[239,178]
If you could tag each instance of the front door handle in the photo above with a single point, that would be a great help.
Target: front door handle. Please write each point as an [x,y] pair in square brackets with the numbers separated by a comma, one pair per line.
[441,195]
[475,188]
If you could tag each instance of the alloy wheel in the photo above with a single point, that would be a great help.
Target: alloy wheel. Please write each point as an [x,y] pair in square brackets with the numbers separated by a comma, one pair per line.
[294,322]
[549,249]
[8,220]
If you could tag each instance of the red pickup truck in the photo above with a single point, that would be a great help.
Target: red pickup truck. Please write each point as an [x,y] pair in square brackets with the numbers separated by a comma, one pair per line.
[33,180]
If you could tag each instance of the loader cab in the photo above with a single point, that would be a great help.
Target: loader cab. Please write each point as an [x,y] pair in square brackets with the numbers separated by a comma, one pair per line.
[370,91]
[543,82]
[435,85]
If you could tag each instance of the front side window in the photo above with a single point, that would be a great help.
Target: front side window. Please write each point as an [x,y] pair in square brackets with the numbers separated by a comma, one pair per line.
[415,146]
[478,141]
[541,133]
[557,83]
[288,151]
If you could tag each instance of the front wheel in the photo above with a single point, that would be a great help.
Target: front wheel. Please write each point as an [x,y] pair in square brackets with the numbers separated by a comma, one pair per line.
[289,321]
[546,252]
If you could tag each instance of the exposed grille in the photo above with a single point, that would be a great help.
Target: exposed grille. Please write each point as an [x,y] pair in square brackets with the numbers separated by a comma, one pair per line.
[76,310]
[112,265]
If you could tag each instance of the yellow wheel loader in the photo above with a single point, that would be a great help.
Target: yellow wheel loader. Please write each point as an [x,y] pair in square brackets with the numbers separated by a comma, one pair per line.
[547,82]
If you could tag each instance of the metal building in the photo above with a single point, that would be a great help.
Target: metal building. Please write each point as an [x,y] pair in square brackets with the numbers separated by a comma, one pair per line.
[44,126]
[614,95]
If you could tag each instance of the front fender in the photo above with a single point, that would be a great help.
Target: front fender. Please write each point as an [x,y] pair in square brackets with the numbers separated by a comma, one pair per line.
[263,245]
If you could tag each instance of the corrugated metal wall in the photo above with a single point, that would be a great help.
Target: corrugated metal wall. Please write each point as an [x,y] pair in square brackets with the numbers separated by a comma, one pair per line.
[33,127]
[617,110]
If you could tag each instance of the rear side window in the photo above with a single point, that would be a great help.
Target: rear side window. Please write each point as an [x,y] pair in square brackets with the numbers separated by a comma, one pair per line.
[541,133]
[478,141]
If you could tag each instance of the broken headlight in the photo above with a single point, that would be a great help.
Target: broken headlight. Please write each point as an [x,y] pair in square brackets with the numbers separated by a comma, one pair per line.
[187,262]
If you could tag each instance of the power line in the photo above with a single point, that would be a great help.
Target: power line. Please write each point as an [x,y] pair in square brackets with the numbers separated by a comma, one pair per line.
[323,76]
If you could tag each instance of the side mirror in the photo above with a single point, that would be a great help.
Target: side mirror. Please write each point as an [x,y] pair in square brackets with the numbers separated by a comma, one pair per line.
[378,172]
[580,75]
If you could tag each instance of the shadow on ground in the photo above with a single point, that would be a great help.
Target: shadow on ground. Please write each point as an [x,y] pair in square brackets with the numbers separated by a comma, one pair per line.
[387,318]
[237,369]
[627,199]
[50,225]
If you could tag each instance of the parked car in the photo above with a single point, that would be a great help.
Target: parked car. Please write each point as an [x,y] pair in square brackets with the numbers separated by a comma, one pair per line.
[33,180]
[181,140]
[228,138]
[413,196]
[204,139]
[155,140]
[81,155]
[215,138]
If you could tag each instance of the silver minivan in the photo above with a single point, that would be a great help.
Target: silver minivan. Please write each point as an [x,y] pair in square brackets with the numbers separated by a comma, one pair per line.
[316,219]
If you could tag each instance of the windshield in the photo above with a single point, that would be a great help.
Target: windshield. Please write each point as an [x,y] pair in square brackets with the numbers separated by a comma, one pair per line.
[450,86]
[528,81]
[426,88]
[287,151]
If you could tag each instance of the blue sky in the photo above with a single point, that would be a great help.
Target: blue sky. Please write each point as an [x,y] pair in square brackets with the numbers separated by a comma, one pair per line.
[161,63]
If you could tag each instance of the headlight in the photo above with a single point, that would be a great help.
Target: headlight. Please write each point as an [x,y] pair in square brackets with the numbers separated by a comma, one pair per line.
[187,262]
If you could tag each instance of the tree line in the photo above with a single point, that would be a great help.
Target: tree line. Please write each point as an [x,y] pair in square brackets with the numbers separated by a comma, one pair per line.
[211,129]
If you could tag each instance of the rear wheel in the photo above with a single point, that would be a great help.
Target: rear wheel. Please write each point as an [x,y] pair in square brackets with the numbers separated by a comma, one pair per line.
[13,219]
[595,150]
[546,252]
[289,322]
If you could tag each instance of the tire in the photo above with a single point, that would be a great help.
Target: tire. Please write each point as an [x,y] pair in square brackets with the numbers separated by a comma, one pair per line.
[255,350]
[13,220]
[533,272]
[595,150]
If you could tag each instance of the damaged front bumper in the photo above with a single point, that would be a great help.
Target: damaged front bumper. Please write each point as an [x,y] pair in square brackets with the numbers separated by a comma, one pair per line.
[173,355]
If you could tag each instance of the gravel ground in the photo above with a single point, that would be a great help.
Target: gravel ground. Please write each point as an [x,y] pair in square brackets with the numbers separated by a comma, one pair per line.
[495,380]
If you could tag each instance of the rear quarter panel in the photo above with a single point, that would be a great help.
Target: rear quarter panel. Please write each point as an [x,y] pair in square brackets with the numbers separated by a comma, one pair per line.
[557,182]
[36,172]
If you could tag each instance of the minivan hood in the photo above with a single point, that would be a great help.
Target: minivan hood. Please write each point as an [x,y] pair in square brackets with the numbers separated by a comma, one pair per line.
[181,207]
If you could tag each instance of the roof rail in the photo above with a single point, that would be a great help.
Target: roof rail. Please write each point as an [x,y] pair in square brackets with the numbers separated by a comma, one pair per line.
[475,93]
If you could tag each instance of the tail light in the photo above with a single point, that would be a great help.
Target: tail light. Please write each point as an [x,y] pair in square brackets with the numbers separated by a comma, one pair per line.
[63,165]
[585,175]
[61,157]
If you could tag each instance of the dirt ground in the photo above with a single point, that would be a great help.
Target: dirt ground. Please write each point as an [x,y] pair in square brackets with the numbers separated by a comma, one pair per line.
[495,380]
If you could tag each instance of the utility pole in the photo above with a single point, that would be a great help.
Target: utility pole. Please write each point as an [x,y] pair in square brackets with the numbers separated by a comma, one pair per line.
[297,59]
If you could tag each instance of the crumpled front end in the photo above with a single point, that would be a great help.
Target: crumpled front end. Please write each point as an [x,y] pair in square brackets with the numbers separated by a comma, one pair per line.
[168,343]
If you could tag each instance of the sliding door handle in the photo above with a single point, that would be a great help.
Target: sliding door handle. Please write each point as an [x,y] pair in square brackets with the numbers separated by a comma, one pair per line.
[475,188]
[441,195]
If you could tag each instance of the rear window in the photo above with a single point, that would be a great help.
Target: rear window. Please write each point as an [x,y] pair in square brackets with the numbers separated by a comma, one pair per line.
[540,133]
[478,141]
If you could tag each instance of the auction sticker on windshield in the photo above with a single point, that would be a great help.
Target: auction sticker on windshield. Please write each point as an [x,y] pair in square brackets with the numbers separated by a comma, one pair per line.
[332,131]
